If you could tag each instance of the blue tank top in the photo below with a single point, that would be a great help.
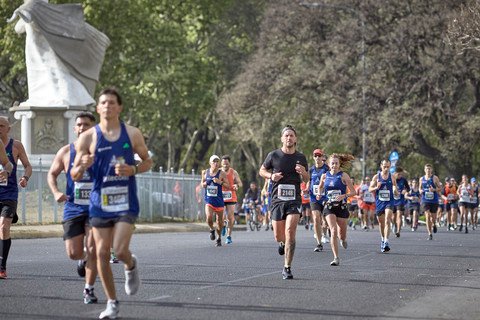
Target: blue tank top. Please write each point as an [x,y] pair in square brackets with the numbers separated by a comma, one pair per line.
[78,192]
[385,193]
[9,190]
[333,185]
[213,191]
[427,195]
[414,194]
[112,195]
[315,175]
[402,184]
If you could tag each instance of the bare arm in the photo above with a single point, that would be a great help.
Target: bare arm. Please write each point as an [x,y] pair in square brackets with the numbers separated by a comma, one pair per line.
[57,167]
[140,148]
[84,147]
[7,165]
[204,183]
[237,180]
[373,184]
[22,155]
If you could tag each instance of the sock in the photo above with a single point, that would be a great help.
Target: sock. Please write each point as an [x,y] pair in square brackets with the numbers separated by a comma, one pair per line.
[112,301]
[89,287]
[5,250]
[383,239]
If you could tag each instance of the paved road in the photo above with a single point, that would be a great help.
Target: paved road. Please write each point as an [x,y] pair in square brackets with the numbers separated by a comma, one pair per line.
[185,277]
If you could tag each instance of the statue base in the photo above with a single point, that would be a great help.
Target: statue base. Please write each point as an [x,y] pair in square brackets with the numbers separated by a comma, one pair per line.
[44,130]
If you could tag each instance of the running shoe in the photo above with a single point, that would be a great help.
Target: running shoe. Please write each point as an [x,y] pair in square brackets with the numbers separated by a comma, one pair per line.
[430,237]
[287,273]
[466,229]
[281,248]
[3,274]
[111,311]
[212,235]
[306,226]
[113,258]
[397,234]
[229,240]
[224,231]
[335,262]
[89,296]
[344,244]
[365,227]
[382,246]
[81,268]
[413,229]
[434,228]
[267,227]
[461,228]
[218,243]
[132,279]
[325,239]
[387,246]
[318,248]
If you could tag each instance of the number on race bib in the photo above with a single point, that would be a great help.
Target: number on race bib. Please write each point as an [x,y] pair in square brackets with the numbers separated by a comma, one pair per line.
[384,195]
[212,191]
[115,199]
[429,195]
[82,192]
[286,192]
[227,195]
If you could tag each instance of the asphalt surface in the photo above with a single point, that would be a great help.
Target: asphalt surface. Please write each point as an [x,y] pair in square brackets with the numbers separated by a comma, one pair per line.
[185,277]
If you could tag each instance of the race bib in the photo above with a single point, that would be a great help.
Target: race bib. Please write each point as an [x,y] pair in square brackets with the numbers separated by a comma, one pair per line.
[212,191]
[227,195]
[465,197]
[306,196]
[450,197]
[316,190]
[115,199]
[384,195]
[354,202]
[429,195]
[286,192]
[82,193]
[332,194]
[414,200]
[396,197]
[368,197]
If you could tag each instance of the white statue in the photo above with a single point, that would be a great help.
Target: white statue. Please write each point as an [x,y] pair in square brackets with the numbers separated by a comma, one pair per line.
[63,53]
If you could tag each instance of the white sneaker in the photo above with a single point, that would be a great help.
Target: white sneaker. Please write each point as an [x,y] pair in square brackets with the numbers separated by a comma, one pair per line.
[344,244]
[132,279]
[325,239]
[110,312]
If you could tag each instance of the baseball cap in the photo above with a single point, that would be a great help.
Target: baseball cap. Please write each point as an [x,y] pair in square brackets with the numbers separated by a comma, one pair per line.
[473,180]
[214,157]
[318,151]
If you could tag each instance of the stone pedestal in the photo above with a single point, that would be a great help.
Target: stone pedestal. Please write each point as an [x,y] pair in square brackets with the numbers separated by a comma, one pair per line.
[44,130]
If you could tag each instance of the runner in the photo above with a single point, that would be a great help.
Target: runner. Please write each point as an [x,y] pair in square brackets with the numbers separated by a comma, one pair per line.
[474,201]
[429,189]
[265,194]
[334,184]
[109,149]
[450,197]
[230,196]
[367,204]
[11,152]
[316,199]
[306,210]
[286,167]
[385,188]
[213,180]
[414,202]
[76,227]
[399,200]
[352,205]
[465,192]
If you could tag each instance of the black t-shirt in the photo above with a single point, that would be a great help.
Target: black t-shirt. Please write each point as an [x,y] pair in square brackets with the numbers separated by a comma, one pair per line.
[287,188]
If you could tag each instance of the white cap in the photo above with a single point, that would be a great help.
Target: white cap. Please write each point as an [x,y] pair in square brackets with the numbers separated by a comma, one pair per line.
[214,157]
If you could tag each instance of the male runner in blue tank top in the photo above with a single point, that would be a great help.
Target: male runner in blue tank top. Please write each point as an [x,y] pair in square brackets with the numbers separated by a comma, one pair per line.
[429,189]
[287,168]
[14,150]
[109,149]
[385,187]
[76,227]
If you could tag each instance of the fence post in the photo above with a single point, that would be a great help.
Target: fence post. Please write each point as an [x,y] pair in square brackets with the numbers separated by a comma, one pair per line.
[40,190]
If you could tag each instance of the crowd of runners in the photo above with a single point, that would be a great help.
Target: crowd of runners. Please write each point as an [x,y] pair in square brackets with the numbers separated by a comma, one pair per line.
[326,200]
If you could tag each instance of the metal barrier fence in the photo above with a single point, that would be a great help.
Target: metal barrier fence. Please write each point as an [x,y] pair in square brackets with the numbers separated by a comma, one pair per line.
[161,194]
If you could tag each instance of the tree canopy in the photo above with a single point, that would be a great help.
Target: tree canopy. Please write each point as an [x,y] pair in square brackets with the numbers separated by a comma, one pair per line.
[203,77]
